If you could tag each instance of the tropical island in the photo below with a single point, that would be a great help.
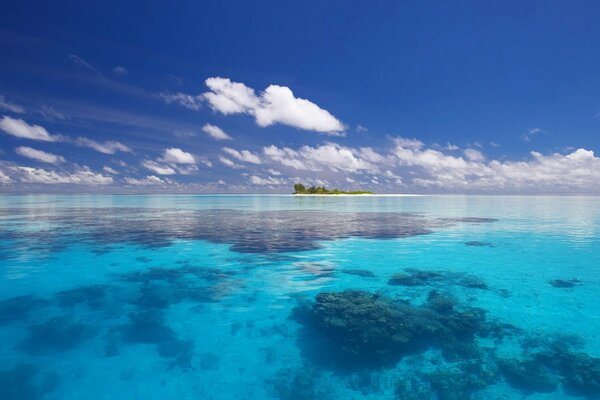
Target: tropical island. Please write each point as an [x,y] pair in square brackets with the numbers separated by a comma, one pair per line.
[300,189]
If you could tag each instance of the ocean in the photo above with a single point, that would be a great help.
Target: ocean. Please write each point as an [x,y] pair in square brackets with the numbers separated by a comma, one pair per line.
[283,297]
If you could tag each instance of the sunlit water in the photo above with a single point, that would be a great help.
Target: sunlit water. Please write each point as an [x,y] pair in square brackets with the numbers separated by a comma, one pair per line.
[248,297]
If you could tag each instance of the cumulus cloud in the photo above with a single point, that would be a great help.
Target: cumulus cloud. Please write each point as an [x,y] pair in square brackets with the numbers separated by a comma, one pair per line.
[474,155]
[578,169]
[5,105]
[328,156]
[216,132]
[148,180]
[83,176]
[226,161]
[39,155]
[177,156]
[268,181]
[5,179]
[184,100]
[108,147]
[110,170]
[157,168]
[408,143]
[275,105]
[21,129]
[243,155]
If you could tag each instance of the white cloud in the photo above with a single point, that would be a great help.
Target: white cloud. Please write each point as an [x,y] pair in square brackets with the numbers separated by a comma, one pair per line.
[474,155]
[12,107]
[108,147]
[120,71]
[48,112]
[216,132]
[276,105]
[21,129]
[328,156]
[274,172]
[5,179]
[226,161]
[177,156]
[243,155]
[39,155]
[531,132]
[579,169]
[110,170]
[43,176]
[158,168]
[361,129]
[80,62]
[185,100]
[148,180]
[268,181]
[409,143]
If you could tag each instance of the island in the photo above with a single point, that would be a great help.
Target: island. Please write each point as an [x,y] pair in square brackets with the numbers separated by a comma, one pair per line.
[300,189]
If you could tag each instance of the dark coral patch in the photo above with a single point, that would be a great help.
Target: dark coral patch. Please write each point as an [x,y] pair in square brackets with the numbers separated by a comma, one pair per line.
[357,329]
[475,243]
[16,384]
[528,376]
[246,231]
[147,327]
[416,277]
[55,335]
[359,272]
[18,308]
[93,296]
[565,283]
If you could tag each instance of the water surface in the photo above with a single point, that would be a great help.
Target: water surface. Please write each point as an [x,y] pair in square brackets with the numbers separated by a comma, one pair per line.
[280,297]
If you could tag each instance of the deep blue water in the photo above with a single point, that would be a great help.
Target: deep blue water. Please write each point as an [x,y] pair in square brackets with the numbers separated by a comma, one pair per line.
[280,297]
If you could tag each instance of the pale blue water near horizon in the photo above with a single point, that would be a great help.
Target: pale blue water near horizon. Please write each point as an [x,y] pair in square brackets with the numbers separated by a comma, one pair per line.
[281,297]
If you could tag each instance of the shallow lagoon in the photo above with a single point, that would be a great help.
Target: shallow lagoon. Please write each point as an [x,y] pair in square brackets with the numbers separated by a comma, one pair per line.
[280,297]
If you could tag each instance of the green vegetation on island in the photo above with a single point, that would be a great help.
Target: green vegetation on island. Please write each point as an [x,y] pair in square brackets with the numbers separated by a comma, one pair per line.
[301,189]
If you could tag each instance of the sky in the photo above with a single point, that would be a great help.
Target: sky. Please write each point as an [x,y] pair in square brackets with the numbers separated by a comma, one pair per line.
[462,97]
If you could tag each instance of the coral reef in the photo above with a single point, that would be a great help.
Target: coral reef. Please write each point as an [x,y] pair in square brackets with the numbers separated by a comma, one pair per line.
[416,277]
[368,330]
[18,308]
[565,283]
[55,335]
[359,272]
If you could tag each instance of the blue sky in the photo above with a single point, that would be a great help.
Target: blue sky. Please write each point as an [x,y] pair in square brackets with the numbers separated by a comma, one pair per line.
[234,97]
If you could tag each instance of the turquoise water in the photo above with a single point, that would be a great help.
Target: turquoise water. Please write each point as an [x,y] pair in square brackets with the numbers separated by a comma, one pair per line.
[279,297]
